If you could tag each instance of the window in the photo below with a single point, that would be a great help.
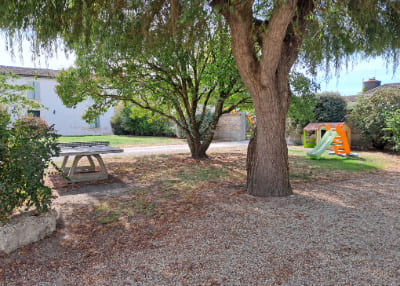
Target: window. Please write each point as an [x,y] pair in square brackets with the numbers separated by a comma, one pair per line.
[95,123]
[35,92]
[34,113]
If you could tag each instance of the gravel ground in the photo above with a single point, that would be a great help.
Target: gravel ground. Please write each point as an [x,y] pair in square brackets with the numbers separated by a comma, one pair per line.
[345,233]
[328,233]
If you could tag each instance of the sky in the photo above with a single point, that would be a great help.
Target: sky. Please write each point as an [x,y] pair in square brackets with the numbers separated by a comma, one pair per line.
[349,81]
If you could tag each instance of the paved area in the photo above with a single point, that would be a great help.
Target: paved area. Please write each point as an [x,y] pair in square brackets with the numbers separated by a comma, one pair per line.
[169,149]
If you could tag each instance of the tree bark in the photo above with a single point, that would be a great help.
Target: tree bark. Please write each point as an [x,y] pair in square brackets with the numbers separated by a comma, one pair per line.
[267,156]
[198,152]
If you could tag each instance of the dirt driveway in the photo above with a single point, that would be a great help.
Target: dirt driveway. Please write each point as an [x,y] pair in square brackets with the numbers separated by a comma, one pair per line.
[330,232]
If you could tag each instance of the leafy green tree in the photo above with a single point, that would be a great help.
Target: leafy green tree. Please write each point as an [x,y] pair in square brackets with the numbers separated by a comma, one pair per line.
[370,111]
[330,107]
[181,80]
[303,99]
[268,37]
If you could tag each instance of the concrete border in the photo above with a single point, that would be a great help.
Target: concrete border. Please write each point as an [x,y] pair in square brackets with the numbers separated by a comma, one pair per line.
[26,228]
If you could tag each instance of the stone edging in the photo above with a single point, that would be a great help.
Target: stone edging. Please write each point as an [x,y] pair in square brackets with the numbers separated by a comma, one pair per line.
[25,229]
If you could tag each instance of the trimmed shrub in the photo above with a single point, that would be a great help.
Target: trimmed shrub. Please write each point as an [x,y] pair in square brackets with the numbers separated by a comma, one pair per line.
[330,107]
[25,152]
[369,114]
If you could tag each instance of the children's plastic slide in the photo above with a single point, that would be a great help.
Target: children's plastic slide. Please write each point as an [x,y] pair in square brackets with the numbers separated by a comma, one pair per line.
[323,144]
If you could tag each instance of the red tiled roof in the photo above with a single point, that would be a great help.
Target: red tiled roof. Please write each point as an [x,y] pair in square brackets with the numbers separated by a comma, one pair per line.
[314,126]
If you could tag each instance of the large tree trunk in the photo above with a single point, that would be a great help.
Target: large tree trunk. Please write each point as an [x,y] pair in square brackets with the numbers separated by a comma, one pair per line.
[265,73]
[196,149]
[267,157]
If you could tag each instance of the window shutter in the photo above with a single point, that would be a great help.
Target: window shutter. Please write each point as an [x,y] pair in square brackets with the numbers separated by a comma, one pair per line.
[31,92]
[35,92]
[37,89]
[95,123]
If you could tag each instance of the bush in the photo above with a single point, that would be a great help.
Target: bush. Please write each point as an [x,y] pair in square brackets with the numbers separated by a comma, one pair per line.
[330,107]
[118,119]
[392,120]
[25,152]
[369,114]
[126,122]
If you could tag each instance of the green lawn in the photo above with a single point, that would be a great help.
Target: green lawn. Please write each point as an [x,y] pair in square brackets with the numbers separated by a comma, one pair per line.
[124,141]
[366,161]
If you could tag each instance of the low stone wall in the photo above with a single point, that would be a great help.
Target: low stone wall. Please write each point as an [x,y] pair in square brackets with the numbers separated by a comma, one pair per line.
[25,229]
[231,127]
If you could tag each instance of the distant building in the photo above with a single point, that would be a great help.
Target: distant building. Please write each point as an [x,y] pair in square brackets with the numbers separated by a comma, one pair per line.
[67,121]
[379,87]
[370,86]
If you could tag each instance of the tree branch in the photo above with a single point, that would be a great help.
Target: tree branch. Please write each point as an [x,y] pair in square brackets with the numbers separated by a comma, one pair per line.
[239,15]
[273,39]
[232,107]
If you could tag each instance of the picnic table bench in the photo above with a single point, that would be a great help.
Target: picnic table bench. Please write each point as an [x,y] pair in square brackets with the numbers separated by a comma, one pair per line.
[90,150]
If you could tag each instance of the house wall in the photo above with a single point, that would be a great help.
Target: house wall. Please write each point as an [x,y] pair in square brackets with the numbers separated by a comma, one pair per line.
[231,127]
[67,121]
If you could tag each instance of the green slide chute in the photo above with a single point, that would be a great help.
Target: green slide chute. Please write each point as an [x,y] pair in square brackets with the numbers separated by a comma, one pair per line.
[322,145]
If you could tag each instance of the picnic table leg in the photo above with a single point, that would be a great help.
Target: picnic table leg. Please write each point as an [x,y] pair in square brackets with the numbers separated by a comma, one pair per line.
[64,163]
[103,171]
[72,171]
[92,166]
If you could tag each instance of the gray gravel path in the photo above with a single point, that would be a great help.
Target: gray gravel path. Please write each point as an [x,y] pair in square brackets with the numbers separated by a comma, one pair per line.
[169,149]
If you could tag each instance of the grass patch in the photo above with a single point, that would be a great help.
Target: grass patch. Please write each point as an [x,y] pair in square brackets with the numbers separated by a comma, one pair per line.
[124,141]
[108,213]
[200,173]
[363,163]
[111,211]
[144,207]
[346,164]
[300,176]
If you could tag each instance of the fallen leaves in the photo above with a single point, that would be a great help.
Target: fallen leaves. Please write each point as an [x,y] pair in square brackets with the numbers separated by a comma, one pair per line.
[156,194]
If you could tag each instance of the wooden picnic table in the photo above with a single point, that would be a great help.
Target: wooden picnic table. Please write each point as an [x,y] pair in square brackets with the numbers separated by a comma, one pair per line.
[90,150]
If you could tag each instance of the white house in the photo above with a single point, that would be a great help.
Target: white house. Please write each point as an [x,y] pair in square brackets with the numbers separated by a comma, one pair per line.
[67,121]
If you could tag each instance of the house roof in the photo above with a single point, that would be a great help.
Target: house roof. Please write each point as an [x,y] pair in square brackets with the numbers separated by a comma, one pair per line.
[30,71]
[388,85]
[314,126]
[354,98]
